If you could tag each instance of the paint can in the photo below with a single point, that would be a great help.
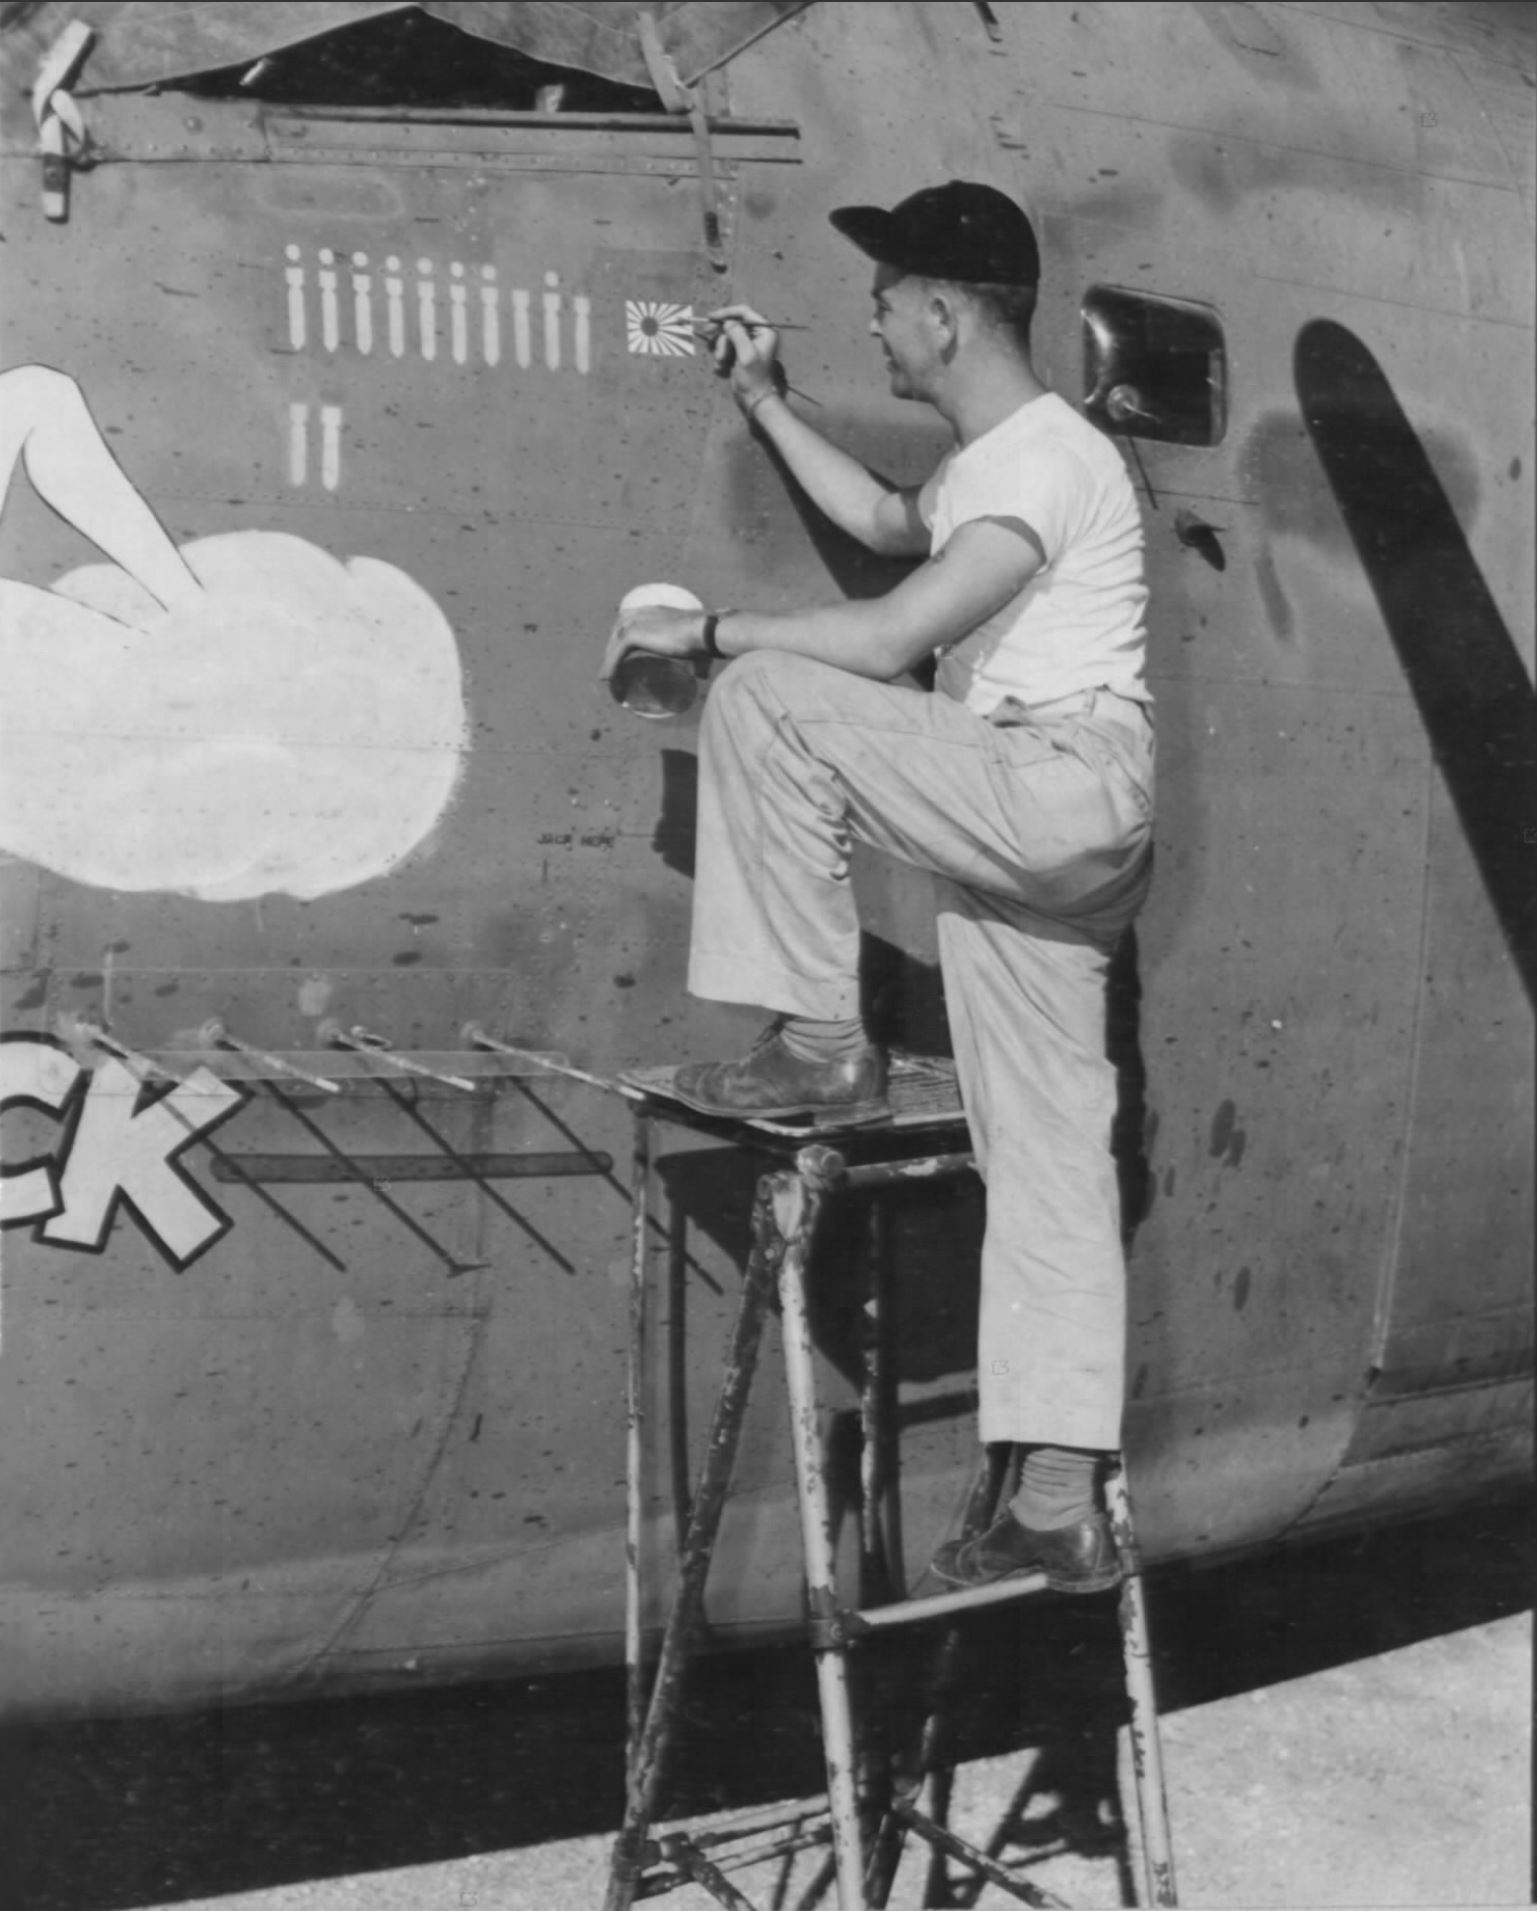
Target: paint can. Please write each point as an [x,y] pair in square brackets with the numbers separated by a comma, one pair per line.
[649,685]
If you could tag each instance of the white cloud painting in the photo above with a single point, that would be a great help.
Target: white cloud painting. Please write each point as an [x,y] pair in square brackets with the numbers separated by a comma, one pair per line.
[241,716]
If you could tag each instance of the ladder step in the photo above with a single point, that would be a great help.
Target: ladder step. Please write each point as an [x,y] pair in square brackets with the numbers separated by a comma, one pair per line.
[911,1612]
[784,1226]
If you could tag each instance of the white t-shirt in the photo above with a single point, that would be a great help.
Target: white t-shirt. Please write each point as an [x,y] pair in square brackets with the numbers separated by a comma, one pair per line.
[1078,624]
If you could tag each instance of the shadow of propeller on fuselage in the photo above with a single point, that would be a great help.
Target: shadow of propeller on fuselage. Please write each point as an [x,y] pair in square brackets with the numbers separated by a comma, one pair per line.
[1458,657]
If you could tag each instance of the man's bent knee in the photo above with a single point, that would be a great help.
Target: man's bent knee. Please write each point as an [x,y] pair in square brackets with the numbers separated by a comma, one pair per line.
[758,670]
[762,682]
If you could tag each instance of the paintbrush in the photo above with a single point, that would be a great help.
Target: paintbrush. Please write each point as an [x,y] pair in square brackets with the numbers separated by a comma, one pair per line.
[712,329]
[752,325]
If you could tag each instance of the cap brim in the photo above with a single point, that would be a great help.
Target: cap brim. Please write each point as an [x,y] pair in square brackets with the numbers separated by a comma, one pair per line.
[870,228]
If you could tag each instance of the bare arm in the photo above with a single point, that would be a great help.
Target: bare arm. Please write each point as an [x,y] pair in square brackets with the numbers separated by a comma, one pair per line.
[884,519]
[879,515]
[986,563]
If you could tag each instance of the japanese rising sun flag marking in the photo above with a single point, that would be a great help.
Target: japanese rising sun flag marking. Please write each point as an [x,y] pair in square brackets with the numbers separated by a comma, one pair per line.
[664,331]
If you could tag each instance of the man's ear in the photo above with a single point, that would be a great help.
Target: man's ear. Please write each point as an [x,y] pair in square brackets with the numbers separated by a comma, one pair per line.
[945,311]
[945,316]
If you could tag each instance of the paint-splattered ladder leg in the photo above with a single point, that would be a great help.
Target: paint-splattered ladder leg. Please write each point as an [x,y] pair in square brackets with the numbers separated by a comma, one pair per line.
[1146,1744]
[635,1695]
[644,1769]
[798,1200]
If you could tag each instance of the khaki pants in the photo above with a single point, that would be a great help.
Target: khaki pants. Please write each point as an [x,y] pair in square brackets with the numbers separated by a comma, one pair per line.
[1043,825]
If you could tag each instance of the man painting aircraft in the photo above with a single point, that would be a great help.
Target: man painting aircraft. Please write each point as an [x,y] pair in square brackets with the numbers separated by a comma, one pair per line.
[1025,778]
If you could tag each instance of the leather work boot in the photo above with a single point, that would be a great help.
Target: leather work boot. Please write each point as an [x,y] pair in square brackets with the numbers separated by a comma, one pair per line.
[771,1081]
[1075,1559]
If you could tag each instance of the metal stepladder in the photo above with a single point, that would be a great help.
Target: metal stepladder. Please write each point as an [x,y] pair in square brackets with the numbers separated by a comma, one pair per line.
[866,1838]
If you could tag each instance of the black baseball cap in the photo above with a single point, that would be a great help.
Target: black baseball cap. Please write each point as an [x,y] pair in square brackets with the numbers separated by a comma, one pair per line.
[960,230]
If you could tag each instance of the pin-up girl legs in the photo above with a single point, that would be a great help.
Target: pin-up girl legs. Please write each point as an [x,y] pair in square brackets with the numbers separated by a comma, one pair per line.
[44,422]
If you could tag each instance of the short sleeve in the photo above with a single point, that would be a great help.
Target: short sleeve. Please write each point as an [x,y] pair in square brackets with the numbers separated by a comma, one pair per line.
[1046,485]
[928,494]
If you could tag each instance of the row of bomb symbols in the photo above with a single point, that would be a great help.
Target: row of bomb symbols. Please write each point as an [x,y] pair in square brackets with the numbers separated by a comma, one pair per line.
[404,308]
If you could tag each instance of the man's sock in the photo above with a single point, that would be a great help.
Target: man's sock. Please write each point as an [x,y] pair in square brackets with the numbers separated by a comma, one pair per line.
[823,1041]
[1057,1486]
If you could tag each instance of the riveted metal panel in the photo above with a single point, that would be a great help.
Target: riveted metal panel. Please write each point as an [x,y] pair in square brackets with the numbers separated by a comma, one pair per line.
[333,1395]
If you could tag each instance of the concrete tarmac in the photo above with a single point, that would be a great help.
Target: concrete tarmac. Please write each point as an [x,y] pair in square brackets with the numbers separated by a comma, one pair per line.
[1344,1725]
[1398,1780]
